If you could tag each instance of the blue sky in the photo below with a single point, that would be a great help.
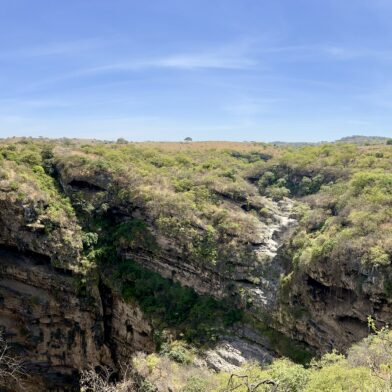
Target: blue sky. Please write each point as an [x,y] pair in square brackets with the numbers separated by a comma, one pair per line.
[210,69]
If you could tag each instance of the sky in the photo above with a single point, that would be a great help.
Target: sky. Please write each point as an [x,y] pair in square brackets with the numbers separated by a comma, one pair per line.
[245,70]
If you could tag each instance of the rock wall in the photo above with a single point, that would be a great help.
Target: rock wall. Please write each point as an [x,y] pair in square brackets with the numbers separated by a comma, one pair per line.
[58,330]
[327,303]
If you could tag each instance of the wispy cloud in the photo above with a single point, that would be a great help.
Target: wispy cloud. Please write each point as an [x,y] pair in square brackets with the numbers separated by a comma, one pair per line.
[232,57]
[176,61]
[194,61]
[242,55]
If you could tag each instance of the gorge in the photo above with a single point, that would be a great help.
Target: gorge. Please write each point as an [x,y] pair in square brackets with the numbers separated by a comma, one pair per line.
[235,252]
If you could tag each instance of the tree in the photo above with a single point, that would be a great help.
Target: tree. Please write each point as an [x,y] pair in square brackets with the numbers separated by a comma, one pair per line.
[188,139]
[101,380]
[389,142]
[11,368]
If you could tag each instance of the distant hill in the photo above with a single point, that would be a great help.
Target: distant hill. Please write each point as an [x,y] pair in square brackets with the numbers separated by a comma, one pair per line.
[354,139]
[360,139]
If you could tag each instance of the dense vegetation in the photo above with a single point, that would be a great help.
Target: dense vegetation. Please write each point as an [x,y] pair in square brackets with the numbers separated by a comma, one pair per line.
[348,194]
[183,187]
[201,318]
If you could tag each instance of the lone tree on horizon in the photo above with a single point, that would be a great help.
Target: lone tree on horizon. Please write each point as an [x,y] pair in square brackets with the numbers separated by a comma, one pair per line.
[188,139]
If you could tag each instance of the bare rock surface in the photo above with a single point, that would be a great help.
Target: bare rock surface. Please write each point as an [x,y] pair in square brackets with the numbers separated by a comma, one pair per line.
[230,353]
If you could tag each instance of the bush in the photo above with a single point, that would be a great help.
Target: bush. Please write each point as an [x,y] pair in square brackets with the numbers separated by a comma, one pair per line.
[338,378]
[148,386]
[277,192]
[177,352]
[290,377]
[196,384]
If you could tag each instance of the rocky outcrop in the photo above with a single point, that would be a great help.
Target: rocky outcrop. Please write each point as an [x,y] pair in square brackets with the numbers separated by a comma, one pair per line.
[232,352]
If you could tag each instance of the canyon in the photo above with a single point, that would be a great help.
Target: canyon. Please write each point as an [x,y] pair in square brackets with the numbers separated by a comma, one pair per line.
[63,312]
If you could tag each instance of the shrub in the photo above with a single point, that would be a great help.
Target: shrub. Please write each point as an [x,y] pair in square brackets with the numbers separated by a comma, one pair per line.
[177,352]
[290,377]
[338,378]
[196,384]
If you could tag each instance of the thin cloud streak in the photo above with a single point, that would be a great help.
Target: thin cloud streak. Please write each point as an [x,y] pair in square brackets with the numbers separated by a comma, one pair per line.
[186,62]
[239,56]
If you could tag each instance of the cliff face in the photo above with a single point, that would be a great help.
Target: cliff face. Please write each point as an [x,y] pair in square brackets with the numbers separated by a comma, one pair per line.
[54,320]
[57,329]
[328,304]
